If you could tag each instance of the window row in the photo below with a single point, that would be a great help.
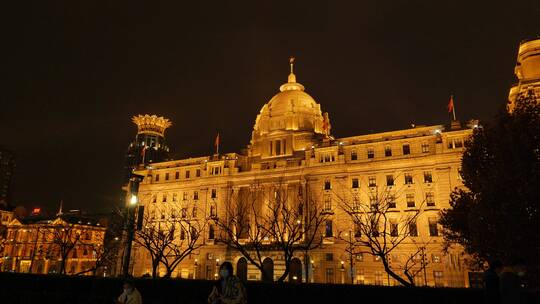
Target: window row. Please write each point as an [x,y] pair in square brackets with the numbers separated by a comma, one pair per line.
[185,196]
[386,202]
[169,176]
[394,229]
[408,179]
[388,151]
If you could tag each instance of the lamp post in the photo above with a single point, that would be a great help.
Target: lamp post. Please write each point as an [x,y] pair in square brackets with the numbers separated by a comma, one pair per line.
[134,181]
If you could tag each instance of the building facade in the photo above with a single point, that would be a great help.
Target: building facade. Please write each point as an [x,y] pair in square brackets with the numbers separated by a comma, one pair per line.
[292,146]
[527,71]
[63,244]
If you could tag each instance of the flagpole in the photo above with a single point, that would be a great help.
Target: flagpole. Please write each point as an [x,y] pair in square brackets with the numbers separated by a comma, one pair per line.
[454,112]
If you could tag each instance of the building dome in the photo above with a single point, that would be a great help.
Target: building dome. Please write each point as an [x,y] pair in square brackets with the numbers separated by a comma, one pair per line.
[290,109]
[292,117]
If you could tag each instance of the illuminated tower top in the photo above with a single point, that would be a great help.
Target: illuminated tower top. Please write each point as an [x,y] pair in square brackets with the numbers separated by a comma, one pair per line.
[149,145]
[151,124]
[527,71]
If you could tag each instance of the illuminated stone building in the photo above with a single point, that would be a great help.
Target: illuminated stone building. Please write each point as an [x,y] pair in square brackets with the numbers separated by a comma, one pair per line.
[291,143]
[34,244]
[527,70]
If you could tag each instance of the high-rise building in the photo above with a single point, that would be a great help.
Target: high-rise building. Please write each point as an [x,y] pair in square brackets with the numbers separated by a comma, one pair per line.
[149,144]
[527,71]
[293,154]
[7,165]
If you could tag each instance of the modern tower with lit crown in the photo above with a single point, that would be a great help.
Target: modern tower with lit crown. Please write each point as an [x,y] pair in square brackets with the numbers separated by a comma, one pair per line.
[149,144]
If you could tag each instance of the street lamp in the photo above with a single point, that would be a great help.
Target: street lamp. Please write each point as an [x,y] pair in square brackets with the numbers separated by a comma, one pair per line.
[133,187]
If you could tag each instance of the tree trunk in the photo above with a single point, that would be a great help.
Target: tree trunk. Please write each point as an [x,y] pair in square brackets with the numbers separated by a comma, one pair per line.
[154,269]
[393,274]
[286,273]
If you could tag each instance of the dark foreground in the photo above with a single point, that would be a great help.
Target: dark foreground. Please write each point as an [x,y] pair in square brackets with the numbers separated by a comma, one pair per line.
[22,288]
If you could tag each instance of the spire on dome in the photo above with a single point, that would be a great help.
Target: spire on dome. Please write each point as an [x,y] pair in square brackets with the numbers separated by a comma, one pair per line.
[292,77]
[291,81]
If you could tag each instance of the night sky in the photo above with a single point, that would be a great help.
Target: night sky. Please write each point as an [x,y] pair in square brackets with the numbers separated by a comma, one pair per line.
[74,76]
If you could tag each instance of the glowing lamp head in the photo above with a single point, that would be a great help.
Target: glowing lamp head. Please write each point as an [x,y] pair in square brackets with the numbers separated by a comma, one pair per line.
[133,200]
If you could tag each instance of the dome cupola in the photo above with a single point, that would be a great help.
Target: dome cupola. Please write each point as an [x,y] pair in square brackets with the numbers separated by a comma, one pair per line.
[290,113]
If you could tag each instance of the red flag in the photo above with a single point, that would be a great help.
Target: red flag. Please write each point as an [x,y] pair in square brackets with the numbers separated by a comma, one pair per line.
[451,104]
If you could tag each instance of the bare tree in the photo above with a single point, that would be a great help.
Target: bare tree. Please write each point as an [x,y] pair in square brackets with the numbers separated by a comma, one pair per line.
[104,251]
[169,240]
[64,238]
[379,231]
[178,250]
[283,222]
[241,230]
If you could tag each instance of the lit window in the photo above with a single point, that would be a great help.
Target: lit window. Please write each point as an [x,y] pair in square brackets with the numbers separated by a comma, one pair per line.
[413,229]
[184,212]
[372,182]
[184,196]
[157,177]
[175,197]
[177,175]
[433,229]
[406,149]
[166,176]
[327,202]
[408,179]
[387,151]
[391,201]
[211,232]
[425,147]
[430,199]
[393,229]
[164,198]
[428,178]
[370,153]
[328,229]
[187,173]
[410,200]
[374,203]
[327,185]
[389,180]
[214,193]
[195,195]
[355,183]
[354,155]
[198,173]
